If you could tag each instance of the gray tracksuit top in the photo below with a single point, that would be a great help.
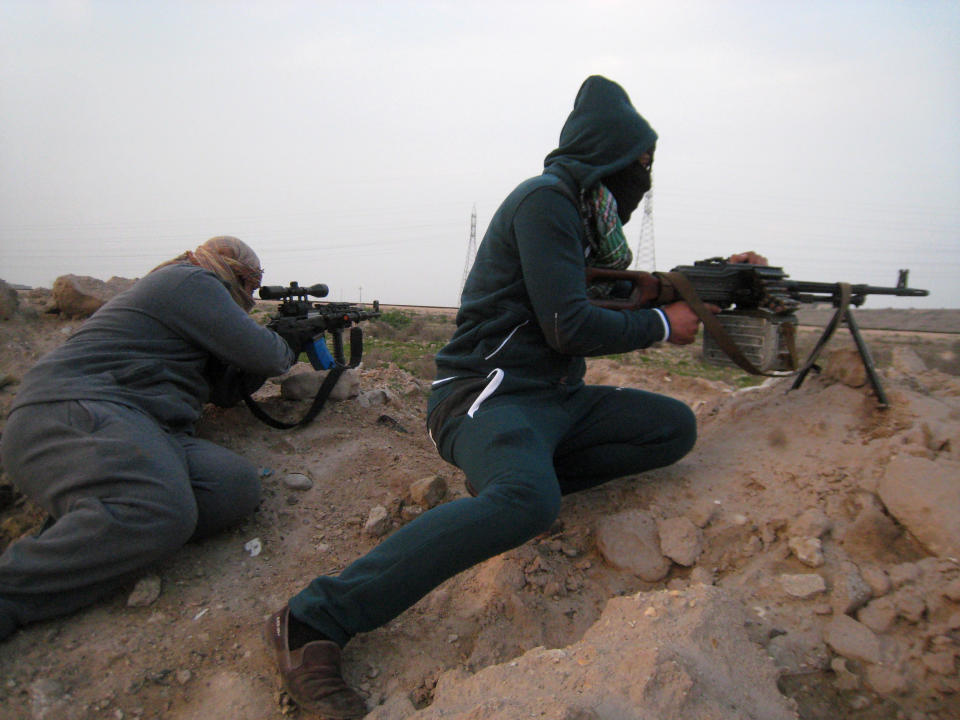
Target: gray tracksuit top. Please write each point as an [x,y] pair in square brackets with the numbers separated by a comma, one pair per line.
[149,346]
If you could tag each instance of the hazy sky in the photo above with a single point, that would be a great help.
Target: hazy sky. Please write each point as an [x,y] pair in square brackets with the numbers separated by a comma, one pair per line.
[347,142]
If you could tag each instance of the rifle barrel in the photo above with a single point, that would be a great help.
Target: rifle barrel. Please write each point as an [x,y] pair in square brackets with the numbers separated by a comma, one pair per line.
[797,286]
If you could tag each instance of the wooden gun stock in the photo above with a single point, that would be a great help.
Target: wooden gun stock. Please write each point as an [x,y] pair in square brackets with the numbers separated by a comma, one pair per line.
[644,288]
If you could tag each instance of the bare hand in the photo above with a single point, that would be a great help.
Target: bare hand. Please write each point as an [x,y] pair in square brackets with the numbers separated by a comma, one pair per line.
[748,257]
[684,322]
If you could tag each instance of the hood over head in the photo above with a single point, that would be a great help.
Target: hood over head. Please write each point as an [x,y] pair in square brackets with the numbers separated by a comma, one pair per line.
[602,135]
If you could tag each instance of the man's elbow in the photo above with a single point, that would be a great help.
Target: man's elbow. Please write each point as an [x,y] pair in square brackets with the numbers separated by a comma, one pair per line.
[569,335]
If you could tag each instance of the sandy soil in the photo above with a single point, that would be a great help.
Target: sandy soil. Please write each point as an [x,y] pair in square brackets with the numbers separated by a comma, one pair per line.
[793,530]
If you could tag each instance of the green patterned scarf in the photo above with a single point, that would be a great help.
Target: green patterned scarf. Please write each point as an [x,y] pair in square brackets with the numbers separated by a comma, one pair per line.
[607,243]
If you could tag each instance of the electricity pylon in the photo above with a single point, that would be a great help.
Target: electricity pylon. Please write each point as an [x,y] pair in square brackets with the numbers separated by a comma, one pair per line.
[645,258]
[471,247]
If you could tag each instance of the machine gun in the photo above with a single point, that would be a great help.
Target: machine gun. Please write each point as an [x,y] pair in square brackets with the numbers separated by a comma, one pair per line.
[756,328]
[308,322]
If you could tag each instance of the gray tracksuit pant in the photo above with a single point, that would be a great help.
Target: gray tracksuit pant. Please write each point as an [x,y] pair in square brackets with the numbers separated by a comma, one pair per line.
[123,494]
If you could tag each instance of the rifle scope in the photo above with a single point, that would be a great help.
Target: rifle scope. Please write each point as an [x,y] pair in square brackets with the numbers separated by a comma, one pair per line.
[278,292]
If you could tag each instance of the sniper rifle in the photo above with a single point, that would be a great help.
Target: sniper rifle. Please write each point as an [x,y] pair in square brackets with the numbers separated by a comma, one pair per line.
[304,324]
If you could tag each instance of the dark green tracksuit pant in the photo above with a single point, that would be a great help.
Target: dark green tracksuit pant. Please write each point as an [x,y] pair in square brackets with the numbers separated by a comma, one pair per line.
[521,450]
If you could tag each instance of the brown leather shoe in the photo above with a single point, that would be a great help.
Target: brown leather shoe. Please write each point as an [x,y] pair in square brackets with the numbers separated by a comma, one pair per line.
[311,674]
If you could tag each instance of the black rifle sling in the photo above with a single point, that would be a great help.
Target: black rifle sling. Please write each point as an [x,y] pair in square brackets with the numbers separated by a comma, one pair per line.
[712,325]
[318,401]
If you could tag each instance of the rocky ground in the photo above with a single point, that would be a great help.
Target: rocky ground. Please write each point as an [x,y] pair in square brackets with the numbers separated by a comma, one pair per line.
[801,562]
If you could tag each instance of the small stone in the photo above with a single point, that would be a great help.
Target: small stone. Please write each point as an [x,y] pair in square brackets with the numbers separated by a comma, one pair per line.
[46,691]
[887,680]
[379,396]
[145,592]
[680,540]
[811,523]
[844,679]
[878,615]
[410,512]
[850,592]
[952,590]
[702,513]
[183,676]
[904,573]
[254,547]
[378,522]
[941,662]
[297,481]
[852,639]
[391,422]
[803,586]
[702,576]
[798,652]
[858,702]
[910,604]
[871,532]
[808,550]
[877,579]
[429,491]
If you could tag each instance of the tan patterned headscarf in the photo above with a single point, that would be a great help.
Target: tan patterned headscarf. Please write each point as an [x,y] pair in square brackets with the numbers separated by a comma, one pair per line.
[232,261]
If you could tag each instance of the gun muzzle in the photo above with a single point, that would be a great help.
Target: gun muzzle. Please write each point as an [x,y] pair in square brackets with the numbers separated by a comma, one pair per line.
[278,292]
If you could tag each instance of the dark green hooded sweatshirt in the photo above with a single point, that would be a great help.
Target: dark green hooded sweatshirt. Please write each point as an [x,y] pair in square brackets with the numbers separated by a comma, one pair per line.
[524,307]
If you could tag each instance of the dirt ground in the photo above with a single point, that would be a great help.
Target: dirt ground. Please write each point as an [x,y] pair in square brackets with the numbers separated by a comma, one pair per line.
[794,564]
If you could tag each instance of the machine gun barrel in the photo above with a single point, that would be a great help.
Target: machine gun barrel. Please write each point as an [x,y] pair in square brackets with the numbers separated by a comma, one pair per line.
[813,292]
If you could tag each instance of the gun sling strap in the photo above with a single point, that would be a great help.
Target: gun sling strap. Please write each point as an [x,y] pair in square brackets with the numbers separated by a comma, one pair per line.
[318,402]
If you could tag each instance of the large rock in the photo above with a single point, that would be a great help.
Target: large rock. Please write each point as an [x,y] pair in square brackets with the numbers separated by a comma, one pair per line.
[9,301]
[81,296]
[652,655]
[924,496]
[302,383]
[630,541]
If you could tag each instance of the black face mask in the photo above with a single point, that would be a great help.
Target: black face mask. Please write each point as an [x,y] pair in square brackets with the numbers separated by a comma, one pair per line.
[628,187]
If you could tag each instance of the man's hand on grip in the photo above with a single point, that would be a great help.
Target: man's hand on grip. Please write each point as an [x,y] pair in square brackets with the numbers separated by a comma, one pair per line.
[297,339]
[684,322]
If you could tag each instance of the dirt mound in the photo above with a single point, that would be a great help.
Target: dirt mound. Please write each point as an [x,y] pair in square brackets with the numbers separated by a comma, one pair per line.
[802,580]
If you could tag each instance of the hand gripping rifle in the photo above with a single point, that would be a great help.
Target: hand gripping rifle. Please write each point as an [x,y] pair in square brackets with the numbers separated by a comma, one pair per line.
[756,328]
[298,317]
